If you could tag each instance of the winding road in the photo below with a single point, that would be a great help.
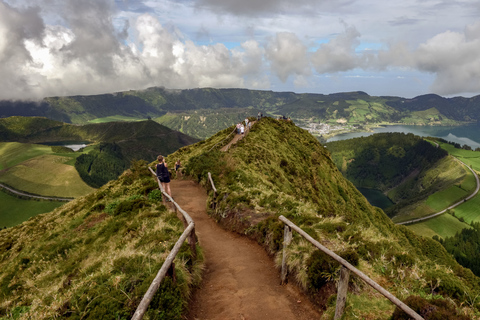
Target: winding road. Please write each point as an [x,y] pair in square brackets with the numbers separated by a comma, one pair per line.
[19,193]
[453,205]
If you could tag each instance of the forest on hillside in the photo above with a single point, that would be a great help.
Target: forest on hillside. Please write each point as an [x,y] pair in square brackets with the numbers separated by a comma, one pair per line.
[465,247]
[382,161]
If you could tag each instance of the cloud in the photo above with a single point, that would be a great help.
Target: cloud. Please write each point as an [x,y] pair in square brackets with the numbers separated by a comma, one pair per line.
[287,55]
[338,54]
[70,47]
[269,7]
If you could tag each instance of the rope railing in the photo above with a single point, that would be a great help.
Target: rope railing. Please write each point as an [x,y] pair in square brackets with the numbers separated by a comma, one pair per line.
[188,234]
[344,273]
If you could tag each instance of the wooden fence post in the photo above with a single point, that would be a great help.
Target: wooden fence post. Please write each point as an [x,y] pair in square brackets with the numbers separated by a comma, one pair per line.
[342,292]
[171,272]
[287,238]
[192,241]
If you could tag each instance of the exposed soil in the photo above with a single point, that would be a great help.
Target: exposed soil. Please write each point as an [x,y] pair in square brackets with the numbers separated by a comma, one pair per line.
[240,280]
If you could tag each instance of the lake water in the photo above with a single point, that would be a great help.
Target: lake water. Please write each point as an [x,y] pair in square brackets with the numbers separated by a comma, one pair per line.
[466,134]
[376,198]
[74,145]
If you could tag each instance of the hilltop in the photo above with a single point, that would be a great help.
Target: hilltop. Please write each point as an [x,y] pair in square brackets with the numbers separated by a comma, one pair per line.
[99,252]
[202,112]
[280,169]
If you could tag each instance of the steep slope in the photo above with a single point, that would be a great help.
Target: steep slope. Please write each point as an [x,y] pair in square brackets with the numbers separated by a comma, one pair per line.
[95,257]
[281,169]
[407,168]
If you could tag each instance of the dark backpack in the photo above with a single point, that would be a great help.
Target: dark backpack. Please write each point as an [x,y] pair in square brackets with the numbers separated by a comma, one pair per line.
[162,172]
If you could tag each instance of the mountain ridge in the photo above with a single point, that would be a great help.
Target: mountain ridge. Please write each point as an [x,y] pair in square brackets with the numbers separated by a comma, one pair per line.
[356,108]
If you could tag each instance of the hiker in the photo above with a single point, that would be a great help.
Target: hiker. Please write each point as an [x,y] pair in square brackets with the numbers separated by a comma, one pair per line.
[163,175]
[242,129]
[259,116]
[246,122]
[178,164]
[238,128]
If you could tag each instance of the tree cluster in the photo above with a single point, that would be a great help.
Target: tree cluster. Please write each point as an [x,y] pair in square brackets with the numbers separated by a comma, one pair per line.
[465,247]
[101,165]
[382,161]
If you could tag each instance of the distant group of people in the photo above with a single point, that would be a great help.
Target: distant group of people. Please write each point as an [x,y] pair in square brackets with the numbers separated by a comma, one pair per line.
[241,128]
[164,175]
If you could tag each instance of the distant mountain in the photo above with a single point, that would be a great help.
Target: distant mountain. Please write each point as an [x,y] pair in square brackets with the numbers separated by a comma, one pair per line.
[214,109]
[138,140]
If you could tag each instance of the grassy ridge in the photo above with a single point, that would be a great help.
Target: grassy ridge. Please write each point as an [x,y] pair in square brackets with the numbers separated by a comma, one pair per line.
[96,256]
[279,168]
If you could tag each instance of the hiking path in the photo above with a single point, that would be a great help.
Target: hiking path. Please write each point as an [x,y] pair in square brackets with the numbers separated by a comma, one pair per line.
[240,280]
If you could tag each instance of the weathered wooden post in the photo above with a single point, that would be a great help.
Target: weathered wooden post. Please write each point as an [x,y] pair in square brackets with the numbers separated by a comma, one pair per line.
[214,203]
[342,292]
[287,238]
[192,241]
[171,272]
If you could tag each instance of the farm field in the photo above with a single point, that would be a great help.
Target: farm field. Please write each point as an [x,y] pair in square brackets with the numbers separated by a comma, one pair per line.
[444,225]
[470,210]
[470,157]
[14,211]
[39,170]
[46,175]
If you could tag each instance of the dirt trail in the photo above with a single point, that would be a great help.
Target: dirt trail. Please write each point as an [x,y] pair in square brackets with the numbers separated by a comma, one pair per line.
[240,280]
[237,137]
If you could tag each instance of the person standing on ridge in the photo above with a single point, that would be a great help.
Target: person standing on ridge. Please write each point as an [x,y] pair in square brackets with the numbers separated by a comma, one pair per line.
[163,174]
[178,164]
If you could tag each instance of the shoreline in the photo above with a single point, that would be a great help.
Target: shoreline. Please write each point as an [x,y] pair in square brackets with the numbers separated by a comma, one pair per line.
[370,128]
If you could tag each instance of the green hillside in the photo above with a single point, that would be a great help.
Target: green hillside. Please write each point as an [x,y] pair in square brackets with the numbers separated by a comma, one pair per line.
[93,258]
[280,169]
[202,112]
[417,176]
[136,140]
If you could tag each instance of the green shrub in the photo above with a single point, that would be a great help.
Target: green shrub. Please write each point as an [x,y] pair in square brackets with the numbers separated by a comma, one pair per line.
[155,195]
[437,309]
[322,268]
[167,303]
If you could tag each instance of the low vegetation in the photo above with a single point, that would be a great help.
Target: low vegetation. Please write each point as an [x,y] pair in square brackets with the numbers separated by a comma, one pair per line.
[465,247]
[95,257]
[280,169]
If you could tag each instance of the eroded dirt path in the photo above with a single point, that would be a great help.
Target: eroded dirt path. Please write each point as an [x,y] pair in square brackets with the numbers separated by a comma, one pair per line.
[240,280]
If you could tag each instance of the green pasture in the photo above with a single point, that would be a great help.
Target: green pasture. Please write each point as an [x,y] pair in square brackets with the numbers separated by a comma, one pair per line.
[469,210]
[444,225]
[14,211]
[470,157]
[445,198]
[13,153]
[116,118]
[46,175]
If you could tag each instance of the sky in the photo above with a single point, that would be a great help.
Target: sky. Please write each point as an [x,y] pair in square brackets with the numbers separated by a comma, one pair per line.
[384,48]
